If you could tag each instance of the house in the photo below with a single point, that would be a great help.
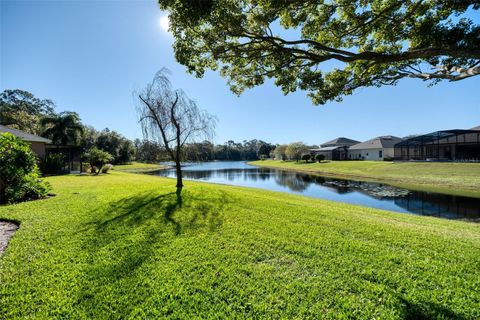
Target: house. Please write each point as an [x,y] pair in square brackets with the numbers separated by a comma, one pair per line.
[339,142]
[378,148]
[445,145]
[336,149]
[37,144]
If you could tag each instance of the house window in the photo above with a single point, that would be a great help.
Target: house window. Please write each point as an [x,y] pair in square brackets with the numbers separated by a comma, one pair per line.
[380,153]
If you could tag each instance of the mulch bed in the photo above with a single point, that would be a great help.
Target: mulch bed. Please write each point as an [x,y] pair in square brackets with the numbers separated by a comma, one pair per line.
[7,229]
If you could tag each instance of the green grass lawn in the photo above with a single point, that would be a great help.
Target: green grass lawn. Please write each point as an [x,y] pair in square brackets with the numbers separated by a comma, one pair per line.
[126,245]
[138,167]
[451,178]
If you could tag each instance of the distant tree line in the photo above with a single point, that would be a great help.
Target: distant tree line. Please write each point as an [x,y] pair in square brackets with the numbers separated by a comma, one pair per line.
[21,110]
[151,151]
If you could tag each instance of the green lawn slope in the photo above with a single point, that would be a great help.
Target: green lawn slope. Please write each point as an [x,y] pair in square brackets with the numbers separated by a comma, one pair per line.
[125,245]
[138,167]
[450,178]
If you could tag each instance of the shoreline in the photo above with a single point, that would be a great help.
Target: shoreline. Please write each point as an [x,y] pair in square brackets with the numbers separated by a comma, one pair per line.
[419,186]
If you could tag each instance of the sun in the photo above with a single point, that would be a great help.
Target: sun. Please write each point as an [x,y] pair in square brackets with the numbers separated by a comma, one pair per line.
[164,23]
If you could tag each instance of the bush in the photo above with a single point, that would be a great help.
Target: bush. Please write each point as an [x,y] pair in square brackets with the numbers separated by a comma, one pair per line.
[97,159]
[107,168]
[263,157]
[19,175]
[320,157]
[295,150]
[30,188]
[54,163]
[306,157]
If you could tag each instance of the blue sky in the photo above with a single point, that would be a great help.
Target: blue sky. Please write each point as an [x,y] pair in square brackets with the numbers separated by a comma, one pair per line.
[89,56]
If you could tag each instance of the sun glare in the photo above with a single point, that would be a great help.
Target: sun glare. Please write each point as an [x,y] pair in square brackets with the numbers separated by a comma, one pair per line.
[164,23]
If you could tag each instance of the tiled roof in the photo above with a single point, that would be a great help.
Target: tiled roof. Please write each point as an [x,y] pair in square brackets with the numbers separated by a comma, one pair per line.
[24,135]
[340,141]
[377,143]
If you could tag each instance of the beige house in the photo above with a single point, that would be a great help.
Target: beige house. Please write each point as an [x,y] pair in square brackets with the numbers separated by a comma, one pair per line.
[378,148]
[37,143]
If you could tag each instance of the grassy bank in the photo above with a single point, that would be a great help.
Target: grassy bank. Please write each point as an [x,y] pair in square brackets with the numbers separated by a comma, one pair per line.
[127,246]
[450,178]
[138,167]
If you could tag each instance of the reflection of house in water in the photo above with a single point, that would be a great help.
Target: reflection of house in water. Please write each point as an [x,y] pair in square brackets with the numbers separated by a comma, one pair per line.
[440,205]
[299,182]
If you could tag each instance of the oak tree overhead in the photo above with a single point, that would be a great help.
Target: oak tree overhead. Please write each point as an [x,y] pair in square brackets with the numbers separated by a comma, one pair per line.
[367,42]
[172,118]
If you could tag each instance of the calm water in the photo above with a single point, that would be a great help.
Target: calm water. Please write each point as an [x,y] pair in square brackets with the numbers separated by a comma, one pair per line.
[368,194]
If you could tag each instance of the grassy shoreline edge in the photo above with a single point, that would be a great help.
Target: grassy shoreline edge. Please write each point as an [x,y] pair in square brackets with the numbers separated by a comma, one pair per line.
[138,167]
[410,180]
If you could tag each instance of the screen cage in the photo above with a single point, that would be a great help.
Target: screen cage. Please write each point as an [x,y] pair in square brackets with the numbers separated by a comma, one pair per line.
[448,145]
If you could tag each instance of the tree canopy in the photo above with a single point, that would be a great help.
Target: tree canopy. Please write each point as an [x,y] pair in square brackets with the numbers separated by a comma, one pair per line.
[296,150]
[63,128]
[327,48]
[22,110]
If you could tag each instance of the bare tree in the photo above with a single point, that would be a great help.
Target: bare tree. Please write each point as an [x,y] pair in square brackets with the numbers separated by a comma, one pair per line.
[171,118]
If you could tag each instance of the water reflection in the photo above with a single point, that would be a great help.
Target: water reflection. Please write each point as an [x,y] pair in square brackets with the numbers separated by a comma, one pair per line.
[434,204]
[368,194]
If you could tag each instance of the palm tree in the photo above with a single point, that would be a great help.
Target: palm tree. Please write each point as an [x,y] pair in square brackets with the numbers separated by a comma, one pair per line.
[63,128]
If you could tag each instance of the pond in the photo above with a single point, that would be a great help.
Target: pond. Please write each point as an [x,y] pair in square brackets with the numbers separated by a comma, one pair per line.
[369,194]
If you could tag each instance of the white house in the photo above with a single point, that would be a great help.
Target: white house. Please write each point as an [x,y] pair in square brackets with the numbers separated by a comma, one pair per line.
[378,148]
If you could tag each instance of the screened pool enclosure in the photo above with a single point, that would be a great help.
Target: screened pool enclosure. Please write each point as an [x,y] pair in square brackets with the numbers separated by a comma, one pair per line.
[446,145]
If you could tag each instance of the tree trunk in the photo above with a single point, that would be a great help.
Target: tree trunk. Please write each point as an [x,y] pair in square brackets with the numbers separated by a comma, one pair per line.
[178,169]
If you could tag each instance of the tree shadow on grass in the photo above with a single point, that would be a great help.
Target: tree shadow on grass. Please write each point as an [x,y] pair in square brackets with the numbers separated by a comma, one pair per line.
[129,232]
[427,310]
[420,309]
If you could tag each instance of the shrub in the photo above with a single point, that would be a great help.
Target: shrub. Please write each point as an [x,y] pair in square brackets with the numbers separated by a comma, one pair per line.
[54,163]
[97,159]
[19,175]
[107,168]
[30,188]
[263,157]
[306,157]
[279,152]
[295,150]
[320,157]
